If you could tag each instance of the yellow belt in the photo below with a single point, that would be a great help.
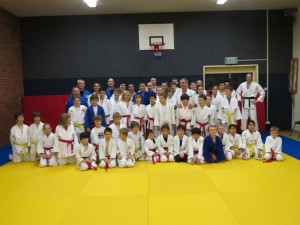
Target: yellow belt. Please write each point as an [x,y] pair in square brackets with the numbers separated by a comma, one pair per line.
[136,153]
[78,125]
[229,115]
[24,148]
[251,148]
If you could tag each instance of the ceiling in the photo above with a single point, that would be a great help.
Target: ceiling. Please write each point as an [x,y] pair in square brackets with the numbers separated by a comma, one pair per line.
[26,8]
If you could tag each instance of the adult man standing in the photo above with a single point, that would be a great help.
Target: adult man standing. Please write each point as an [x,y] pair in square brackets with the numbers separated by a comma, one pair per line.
[110,89]
[83,93]
[185,90]
[247,92]
[75,92]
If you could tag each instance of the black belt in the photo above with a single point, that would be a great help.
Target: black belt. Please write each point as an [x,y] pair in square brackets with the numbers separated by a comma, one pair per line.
[249,98]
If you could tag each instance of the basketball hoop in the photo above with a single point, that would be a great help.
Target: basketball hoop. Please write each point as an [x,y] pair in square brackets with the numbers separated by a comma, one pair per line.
[157,48]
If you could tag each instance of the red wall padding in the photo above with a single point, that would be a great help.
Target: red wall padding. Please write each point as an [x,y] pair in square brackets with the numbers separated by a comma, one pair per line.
[50,106]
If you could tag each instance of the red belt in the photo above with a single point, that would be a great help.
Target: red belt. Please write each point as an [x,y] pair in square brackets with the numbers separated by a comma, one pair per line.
[213,156]
[153,159]
[185,122]
[96,147]
[106,165]
[202,126]
[142,128]
[68,142]
[127,118]
[45,151]
[107,115]
[273,154]
[150,119]
[196,152]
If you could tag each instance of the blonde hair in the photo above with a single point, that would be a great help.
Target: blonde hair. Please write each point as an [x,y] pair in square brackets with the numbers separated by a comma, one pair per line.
[64,118]
[124,131]
[124,93]
[116,115]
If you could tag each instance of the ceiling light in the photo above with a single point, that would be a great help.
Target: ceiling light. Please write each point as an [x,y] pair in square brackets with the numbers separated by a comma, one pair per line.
[91,3]
[221,2]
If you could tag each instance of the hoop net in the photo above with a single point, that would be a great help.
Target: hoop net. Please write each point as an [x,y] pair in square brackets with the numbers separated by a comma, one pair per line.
[157,48]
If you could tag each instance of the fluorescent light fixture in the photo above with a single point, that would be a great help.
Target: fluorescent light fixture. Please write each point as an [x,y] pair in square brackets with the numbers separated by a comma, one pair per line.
[221,2]
[91,3]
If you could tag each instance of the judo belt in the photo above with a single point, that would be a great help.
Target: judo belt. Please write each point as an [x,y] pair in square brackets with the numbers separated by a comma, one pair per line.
[106,164]
[96,147]
[142,128]
[251,148]
[202,126]
[45,151]
[158,156]
[185,122]
[107,116]
[249,100]
[68,143]
[35,144]
[89,164]
[24,148]
[229,115]
[78,125]
[273,156]
[213,156]
[150,119]
[196,152]
[135,155]
[127,119]
[167,150]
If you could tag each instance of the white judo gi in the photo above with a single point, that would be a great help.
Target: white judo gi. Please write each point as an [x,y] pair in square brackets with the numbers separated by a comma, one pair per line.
[166,147]
[195,149]
[152,151]
[184,116]
[107,152]
[45,146]
[85,152]
[229,153]
[124,149]
[20,141]
[248,95]
[65,144]
[164,114]
[139,143]
[138,114]
[252,142]
[126,113]
[35,134]
[108,109]
[77,118]
[229,113]
[237,144]
[273,148]
[202,118]
[115,130]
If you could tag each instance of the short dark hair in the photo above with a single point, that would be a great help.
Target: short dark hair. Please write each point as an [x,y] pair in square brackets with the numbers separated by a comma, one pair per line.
[165,126]
[149,132]
[180,127]
[202,96]
[250,121]
[84,135]
[184,97]
[98,118]
[17,114]
[196,131]
[107,129]
[228,87]
[36,114]
[231,125]
[152,95]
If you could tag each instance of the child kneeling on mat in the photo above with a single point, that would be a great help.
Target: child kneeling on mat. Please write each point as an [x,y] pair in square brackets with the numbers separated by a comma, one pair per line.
[45,147]
[273,145]
[125,149]
[85,153]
